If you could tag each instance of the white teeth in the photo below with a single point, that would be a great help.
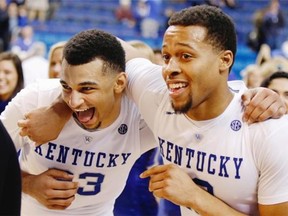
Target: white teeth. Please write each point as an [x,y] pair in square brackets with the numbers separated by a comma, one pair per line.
[176,85]
[81,110]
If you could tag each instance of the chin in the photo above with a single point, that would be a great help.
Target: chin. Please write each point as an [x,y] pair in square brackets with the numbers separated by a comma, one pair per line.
[182,109]
[92,126]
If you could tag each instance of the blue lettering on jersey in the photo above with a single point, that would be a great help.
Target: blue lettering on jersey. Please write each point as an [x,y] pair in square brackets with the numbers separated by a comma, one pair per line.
[38,150]
[65,154]
[223,166]
[211,169]
[200,161]
[62,154]
[88,158]
[75,153]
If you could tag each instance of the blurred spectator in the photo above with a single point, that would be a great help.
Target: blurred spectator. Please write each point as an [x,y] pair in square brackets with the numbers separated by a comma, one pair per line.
[37,9]
[22,16]
[265,65]
[222,3]
[158,56]
[278,82]
[55,59]
[11,77]
[167,14]
[124,13]
[263,55]
[144,48]
[283,51]
[13,21]
[17,20]
[24,42]
[252,76]
[146,14]
[35,65]
[276,63]
[18,2]
[268,23]
[53,7]
[4,26]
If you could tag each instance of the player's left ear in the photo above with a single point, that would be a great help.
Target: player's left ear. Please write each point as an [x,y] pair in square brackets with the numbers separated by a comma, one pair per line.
[226,60]
[120,82]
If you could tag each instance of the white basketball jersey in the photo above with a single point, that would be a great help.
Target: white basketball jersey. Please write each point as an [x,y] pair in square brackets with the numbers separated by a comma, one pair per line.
[100,161]
[240,164]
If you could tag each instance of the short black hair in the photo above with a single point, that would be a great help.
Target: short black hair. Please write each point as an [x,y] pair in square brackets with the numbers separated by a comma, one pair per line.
[221,32]
[90,44]
[275,75]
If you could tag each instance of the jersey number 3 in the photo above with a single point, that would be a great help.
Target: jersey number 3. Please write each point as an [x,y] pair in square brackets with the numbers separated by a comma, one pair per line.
[94,184]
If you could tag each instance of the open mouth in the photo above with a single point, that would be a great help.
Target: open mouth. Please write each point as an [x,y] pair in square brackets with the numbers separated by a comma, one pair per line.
[85,116]
[174,87]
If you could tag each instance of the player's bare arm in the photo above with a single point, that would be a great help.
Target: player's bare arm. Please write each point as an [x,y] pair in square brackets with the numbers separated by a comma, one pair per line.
[53,188]
[39,121]
[172,183]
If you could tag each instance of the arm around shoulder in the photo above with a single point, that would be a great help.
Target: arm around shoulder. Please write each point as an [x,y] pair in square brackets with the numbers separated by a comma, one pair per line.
[39,121]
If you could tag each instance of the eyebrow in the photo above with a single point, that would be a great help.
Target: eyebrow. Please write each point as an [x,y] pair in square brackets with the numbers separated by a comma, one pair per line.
[180,44]
[80,84]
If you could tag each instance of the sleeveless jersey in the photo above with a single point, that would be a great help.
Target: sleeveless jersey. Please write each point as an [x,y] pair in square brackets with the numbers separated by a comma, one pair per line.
[100,160]
[240,164]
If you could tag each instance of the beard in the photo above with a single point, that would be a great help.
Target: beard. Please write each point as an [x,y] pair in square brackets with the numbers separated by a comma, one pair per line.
[183,108]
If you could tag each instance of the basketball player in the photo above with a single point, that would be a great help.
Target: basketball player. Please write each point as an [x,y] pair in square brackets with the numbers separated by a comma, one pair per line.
[215,164]
[86,167]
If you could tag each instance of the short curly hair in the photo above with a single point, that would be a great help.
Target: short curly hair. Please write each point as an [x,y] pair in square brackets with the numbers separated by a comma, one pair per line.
[221,33]
[90,44]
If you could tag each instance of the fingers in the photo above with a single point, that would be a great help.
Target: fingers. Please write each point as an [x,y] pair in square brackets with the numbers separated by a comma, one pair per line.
[60,203]
[261,104]
[60,174]
[153,171]
[159,177]
[254,110]
[22,122]
[273,111]
[25,130]
[23,127]
[63,180]
[63,193]
[247,95]
[60,192]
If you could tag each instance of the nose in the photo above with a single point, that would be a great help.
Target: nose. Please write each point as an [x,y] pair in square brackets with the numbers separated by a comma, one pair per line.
[171,69]
[75,99]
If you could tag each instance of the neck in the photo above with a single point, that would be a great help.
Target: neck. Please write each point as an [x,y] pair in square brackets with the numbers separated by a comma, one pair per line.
[211,108]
